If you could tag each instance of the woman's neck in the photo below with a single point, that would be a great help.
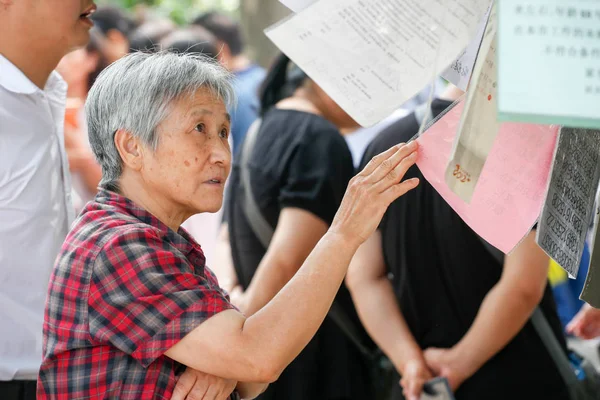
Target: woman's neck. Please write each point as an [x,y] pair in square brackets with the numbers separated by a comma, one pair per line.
[300,101]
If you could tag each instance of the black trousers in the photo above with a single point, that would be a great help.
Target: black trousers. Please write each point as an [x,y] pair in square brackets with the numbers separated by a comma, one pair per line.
[17,390]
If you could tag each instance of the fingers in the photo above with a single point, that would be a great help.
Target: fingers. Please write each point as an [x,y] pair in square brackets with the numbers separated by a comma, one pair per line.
[219,390]
[388,165]
[378,159]
[184,385]
[412,388]
[396,174]
[400,189]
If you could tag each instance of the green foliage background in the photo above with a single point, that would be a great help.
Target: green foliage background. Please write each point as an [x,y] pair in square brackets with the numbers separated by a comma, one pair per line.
[180,11]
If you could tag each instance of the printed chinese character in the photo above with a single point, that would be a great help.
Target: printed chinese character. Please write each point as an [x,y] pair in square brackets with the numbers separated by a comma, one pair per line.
[519,9]
[571,12]
[586,14]
[589,73]
[566,31]
[578,32]
[572,52]
[584,52]
[543,30]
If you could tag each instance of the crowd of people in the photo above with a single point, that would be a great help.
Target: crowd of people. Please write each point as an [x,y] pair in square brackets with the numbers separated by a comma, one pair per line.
[178,223]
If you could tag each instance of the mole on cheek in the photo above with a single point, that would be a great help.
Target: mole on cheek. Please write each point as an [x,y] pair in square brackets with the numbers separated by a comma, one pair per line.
[196,159]
[187,163]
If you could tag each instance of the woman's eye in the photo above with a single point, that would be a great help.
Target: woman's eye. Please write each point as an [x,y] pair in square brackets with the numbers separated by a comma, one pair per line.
[224,133]
[200,128]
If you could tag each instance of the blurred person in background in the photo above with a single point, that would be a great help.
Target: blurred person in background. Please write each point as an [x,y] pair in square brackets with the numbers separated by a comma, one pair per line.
[78,69]
[148,35]
[132,303]
[300,167]
[249,76]
[192,39]
[438,302]
[35,187]
[116,26]
[586,324]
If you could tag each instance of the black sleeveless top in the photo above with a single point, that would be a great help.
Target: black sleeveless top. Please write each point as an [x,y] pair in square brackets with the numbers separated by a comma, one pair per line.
[300,160]
[441,272]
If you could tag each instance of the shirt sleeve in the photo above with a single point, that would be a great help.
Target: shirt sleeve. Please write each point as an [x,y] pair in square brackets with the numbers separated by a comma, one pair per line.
[144,298]
[318,175]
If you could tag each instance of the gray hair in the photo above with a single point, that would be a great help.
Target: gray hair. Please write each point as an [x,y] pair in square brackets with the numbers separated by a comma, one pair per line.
[136,93]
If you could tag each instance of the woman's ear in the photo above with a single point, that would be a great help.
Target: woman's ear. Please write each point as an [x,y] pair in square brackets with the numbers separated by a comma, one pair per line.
[129,149]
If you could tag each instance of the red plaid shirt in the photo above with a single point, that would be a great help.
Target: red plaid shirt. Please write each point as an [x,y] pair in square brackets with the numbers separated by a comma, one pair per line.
[125,289]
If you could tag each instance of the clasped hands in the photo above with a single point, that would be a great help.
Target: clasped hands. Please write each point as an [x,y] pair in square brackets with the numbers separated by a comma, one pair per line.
[433,363]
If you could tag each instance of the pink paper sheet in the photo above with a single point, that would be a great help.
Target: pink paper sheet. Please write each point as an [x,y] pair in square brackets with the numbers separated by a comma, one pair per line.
[509,196]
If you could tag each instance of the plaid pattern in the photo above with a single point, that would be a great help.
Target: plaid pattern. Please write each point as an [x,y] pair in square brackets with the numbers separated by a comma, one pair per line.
[125,288]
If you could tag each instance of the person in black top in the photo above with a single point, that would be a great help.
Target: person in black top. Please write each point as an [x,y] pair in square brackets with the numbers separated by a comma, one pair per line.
[438,303]
[300,167]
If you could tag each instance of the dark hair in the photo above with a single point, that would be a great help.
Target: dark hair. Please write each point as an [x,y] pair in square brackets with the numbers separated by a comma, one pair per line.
[193,39]
[147,36]
[108,18]
[224,28]
[281,81]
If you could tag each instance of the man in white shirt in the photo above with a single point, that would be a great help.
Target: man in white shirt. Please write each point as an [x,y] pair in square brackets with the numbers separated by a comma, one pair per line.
[35,203]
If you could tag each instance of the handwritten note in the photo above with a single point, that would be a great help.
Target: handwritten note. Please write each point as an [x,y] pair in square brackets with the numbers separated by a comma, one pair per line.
[569,204]
[371,56]
[509,197]
[478,125]
[549,62]
[591,288]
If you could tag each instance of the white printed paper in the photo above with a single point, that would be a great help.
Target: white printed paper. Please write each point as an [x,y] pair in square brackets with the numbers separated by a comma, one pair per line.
[297,5]
[459,72]
[478,124]
[372,56]
[569,204]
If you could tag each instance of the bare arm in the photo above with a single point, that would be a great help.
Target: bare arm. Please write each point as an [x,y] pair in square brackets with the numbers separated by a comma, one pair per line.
[503,313]
[378,309]
[289,248]
[223,265]
[248,390]
[258,348]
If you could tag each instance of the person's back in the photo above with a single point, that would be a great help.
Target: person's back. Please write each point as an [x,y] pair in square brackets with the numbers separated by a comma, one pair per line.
[441,274]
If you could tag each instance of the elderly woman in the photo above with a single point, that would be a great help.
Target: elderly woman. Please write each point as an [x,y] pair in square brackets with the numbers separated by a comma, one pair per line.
[131,302]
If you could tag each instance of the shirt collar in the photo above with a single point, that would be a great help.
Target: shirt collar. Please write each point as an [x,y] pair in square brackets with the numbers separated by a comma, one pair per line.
[14,80]
[181,239]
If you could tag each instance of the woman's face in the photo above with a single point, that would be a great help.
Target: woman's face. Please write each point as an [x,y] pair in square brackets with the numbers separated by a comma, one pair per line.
[192,161]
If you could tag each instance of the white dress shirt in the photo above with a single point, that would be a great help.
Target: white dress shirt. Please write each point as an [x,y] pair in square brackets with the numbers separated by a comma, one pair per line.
[35,212]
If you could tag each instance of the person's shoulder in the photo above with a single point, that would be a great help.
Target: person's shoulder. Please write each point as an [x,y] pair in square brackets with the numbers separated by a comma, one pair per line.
[398,132]
[102,227]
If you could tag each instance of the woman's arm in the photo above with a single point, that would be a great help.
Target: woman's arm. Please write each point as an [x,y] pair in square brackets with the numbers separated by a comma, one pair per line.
[258,348]
[289,248]
[503,313]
